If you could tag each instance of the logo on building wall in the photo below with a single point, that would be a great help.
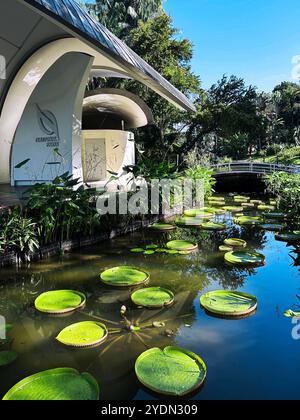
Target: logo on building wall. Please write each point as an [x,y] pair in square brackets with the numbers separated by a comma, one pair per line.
[48,125]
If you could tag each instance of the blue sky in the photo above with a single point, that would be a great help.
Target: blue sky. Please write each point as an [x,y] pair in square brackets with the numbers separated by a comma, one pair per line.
[254,39]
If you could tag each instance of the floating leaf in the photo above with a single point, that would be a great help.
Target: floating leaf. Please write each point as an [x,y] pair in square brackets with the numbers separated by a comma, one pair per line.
[153,297]
[60,301]
[213,226]
[226,303]
[7,357]
[172,371]
[55,384]
[162,227]
[234,242]
[248,220]
[244,258]
[124,277]
[83,334]
[182,246]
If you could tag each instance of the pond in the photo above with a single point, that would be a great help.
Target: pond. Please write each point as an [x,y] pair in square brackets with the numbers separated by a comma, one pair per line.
[256,357]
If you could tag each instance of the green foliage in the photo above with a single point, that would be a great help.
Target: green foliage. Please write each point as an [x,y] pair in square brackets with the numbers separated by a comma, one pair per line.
[206,175]
[236,146]
[286,188]
[62,210]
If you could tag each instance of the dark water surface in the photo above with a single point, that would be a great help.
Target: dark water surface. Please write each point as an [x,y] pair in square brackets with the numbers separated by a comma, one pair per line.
[250,358]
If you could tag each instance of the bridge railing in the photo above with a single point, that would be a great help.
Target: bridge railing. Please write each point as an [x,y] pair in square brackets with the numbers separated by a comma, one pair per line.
[254,167]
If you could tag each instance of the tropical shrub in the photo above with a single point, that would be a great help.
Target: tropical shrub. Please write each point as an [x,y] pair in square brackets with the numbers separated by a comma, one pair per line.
[206,175]
[286,187]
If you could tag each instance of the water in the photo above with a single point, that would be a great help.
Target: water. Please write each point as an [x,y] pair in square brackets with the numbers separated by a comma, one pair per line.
[250,358]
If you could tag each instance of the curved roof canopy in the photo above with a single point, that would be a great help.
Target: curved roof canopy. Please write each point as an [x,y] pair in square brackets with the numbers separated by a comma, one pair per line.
[119,103]
[79,23]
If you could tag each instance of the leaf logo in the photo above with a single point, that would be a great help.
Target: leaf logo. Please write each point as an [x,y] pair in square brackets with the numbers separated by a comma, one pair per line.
[47,122]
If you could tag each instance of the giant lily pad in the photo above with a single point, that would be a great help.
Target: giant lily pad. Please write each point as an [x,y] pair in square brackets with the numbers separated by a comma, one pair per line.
[182,246]
[293,236]
[162,227]
[7,357]
[233,209]
[226,303]
[241,197]
[172,371]
[244,258]
[266,207]
[225,248]
[248,220]
[124,277]
[248,205]
[199,213]
[83,334]
[275,216]
[153,297]
[272,227]
[256,202]
[62,384]
[60,301]
[213,226]
[188,222]
[236,243]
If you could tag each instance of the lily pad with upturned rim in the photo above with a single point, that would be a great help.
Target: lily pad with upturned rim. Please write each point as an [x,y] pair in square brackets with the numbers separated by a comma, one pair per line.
[172,371]
[7,357]
[244,258]
[248,220]
[225,248]
[182,246]
[162,227]
[293,236]
[83,334]
[188,222]
[228,304]
[266,207]
[153,297]
[233,209]
[235,243]
[213,226]
[62,384]
[124,276]
[60,301]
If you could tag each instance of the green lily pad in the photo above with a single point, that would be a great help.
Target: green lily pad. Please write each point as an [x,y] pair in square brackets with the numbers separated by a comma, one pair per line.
[241,197]
[293,236]
[153,297]
[292,314]
[137,250]
[172,371]
[248,205]
[226,303]
[225,248]
[60,301]
[236,243]
[124,277]
[62,384]
[188,222]
[7,357]
[199,213]
[275,216]
[214,210]
[248,220]
[182,246]
[172,252]
[162,227]
[213,226]
[151,247]
[272,227]
[233,209]
[266,207]
[256,202]
[149,252]
[244,258]
[83,334]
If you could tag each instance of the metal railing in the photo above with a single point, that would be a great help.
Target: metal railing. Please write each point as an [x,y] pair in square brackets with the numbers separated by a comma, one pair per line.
[254,167]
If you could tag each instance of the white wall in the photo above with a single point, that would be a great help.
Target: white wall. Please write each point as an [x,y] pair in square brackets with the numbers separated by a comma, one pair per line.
[104,151]
[49,133]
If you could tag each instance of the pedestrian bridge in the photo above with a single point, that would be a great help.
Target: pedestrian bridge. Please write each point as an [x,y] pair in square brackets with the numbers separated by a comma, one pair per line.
[258,168]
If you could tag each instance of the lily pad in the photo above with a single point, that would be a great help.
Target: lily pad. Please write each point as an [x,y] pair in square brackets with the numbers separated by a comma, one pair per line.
[226,303]
[275,216]
[7,357]
[236,243]
[202,214]
[248,205]
[188,222]
[244,258]
[182,246]
[241,197]
[293,236]
[233,209]
[266,207]
[248,220]
[60,301]
[62,384]
[153,297]
[124,277]
[213,226]
[137,250]
[256,202]
[225,248]
[172,371]
[162,227]
[272,227]
[83,334]
[149,252]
